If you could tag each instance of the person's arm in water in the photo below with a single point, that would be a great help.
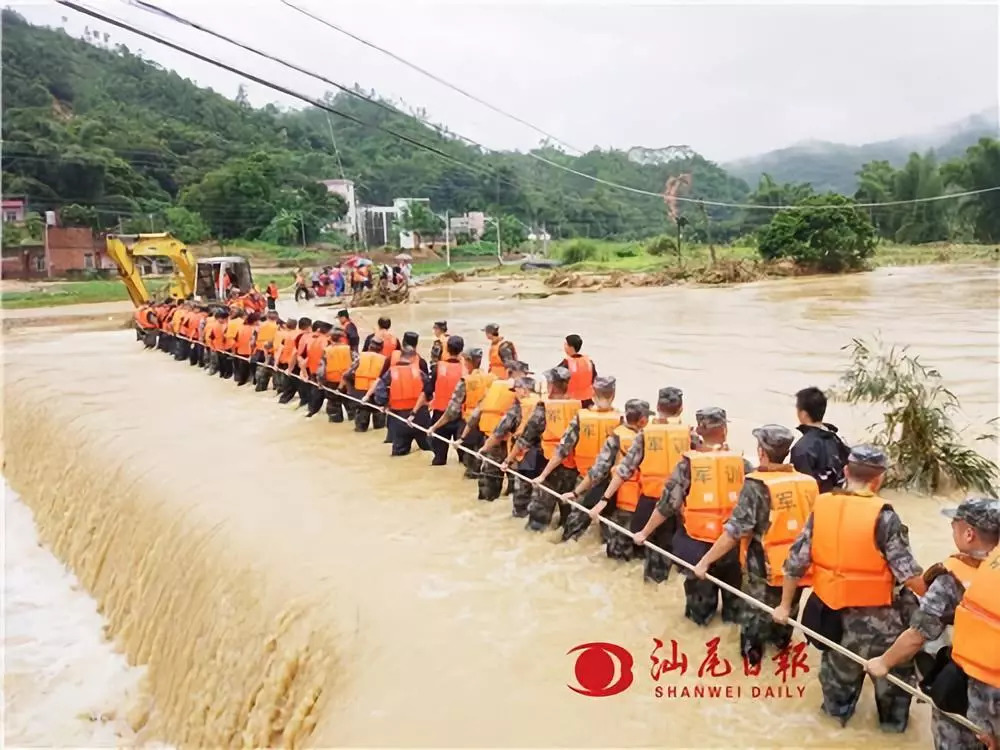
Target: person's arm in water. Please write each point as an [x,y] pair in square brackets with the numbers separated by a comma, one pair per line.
[752,511]
[674,493]
[566,446]
[602,467]
[796,566]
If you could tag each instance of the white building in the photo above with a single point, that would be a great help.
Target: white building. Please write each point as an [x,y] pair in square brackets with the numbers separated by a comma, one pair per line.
[400,204]
[473,223]
[375,224]
[345,189]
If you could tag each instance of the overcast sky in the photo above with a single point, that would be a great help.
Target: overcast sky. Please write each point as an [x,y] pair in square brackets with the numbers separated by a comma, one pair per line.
[727,80]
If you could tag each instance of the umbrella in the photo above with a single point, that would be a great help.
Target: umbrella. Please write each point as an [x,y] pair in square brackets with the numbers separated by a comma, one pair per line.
[404,256]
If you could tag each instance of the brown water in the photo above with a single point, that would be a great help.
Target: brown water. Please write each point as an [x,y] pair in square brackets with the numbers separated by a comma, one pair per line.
[287,582]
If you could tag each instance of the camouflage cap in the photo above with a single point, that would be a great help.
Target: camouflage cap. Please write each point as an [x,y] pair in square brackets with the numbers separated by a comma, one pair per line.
[711,416]
[558,375]
[491,328]
[408,351]
[635,408]
[476,354]
[774,439]
[517,366]
[456,342]
[525,381]
[869,455]
[605,383]
[982,513]
[670,397]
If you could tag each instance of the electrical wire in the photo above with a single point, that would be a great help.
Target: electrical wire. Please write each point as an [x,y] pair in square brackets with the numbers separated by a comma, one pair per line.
[432,76]
[835,646]
[609,183]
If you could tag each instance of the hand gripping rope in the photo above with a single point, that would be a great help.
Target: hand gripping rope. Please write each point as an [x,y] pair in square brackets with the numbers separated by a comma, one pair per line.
[915,692]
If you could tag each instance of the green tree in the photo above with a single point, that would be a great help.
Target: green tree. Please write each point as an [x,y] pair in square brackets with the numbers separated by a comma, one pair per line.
[284,228]
[513,233]
[876,184]
[825,232]
[185,225]
[13,234]
[420,221]
[925,221]
[75,215]
[979,169]
[34,225]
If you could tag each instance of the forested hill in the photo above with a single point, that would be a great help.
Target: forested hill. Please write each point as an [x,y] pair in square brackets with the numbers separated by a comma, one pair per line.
[835,166]
[108,137]
[97,126]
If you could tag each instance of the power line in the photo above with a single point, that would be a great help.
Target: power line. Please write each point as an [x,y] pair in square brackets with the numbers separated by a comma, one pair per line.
[609,183]
[432,76]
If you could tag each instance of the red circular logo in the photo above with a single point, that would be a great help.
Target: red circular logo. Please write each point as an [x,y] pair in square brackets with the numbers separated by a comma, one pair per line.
[596,669]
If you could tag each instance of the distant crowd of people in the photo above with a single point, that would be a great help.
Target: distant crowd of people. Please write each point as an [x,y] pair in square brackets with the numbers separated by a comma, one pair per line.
[334,281]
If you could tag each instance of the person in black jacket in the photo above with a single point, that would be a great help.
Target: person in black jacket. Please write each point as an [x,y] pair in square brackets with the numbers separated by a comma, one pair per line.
[820,452]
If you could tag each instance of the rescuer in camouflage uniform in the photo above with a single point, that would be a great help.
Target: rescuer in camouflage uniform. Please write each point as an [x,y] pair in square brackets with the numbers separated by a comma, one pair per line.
[752,518]
[561,479]
[867,631]
[619,546]
[527,451]
[701,597]
[976,523]
[490,475]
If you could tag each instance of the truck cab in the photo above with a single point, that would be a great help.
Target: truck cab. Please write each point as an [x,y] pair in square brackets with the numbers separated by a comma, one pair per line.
[217,276]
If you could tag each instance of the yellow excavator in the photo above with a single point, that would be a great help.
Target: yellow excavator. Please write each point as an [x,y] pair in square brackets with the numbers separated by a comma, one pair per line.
[207,279]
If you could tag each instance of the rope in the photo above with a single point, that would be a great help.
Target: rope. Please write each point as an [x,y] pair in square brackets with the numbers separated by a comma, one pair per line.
[915,692]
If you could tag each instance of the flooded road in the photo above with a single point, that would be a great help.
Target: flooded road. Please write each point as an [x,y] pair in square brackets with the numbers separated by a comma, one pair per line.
[285,579]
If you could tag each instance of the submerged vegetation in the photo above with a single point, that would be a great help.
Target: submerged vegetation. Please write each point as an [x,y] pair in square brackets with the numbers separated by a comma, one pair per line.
[928,452]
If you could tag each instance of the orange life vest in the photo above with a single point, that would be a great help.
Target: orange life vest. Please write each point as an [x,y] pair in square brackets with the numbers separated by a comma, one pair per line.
[163,316]
[232,328]
[389,343]
[447,377]
[338,361]
[664,444]
[792,496]
[476,383]
[405,385]
[976,638]
[628,493]
[716,481]
[302,346]
[369,369]
[848,568]
[176,319]
[214,334]
[498,399]
[963,571]
[145,317]
[272,291]
[286,355]
[314,352]
[197,331]
[527,404]
[559,412]
[581,377]
[244,337]
[266,334]
[497,367]
[595,427]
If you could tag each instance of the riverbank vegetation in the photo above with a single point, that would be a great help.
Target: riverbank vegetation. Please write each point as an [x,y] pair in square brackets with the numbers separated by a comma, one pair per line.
[929,453]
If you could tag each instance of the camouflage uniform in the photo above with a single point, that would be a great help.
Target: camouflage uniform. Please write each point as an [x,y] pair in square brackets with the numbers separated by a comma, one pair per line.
[561,480]
[752,517]
[336,404]
[984,706]
[701,597]
[528,445]
[656,567]
[578,521]
[868,631]
[936,613]
[490,477]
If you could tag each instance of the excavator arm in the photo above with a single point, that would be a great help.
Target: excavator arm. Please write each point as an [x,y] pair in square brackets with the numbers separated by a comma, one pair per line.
[124,249]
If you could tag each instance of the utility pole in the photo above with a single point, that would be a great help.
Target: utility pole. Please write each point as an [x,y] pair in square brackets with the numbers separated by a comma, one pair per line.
[152,229]
[499,252]
[545,241]
[302,223]
[447,240]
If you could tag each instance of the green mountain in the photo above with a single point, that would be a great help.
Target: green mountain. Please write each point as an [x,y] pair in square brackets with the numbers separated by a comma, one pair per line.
[835,166]
[116,137]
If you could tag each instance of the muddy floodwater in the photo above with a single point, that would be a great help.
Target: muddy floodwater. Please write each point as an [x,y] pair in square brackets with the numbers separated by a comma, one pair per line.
[285,581]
